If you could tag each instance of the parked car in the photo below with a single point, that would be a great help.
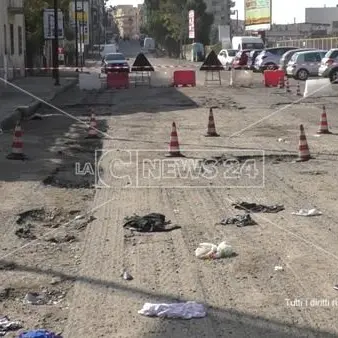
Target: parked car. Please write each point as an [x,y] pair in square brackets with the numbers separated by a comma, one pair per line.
[305,64]
[115,62]
[286,57]
[269,58]
[329,65]
[226,57]
[252,58]
[241,59]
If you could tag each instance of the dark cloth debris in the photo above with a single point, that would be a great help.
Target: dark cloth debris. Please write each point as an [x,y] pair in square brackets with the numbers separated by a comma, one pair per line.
[253,207]
[239,220]
[7,325]
[153,222]
[25,232]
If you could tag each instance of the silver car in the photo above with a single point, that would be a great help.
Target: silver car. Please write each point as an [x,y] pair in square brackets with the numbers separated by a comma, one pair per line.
[305,64]
[270,57]
[288,55]
[329,65]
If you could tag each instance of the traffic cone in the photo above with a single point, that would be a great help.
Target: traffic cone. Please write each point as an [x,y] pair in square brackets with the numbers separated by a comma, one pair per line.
[287,85]
[211,132]
[17,145]
[298,93]
[281,83]
[304,152]
[174,147]
[92,132]
[323,127]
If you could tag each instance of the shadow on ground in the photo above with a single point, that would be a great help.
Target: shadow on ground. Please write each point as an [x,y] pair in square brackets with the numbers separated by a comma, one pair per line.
[225,321]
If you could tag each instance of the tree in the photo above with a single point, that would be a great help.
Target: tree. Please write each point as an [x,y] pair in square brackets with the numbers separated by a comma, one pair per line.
[167,22]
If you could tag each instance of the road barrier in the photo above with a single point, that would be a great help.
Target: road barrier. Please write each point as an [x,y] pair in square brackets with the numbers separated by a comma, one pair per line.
[272,77]
[241,78]
[184,78]
[90,81]
[318,87]
[118,80]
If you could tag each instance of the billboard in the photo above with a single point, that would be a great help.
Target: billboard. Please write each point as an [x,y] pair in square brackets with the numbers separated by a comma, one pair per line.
[82,20]
[48,24]
[257,14]
[191,24]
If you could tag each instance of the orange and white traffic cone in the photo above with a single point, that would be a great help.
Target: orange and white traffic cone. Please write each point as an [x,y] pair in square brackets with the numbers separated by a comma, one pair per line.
[17,145]
[281,83]
[304,152]
[298,93]
[211,132]
[92,132]
[323,127]
[174,147]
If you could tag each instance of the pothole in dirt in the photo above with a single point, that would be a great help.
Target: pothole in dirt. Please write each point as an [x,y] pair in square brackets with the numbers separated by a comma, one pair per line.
[66,177]
[35,221]
[270,158]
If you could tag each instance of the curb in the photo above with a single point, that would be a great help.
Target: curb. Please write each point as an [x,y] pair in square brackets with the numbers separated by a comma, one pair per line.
[22,112]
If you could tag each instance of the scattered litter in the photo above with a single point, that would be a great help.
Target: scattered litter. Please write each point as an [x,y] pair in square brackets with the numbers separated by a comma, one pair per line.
[336,287]
[239,220]
[127,276]
[79,217]
[282,140]
[25,232]
[153,222]
[39,334]
[35,298]
[253,207]
[55,280]
[279,268]
[7,325]
[186,310]
[307,213]
[212,251]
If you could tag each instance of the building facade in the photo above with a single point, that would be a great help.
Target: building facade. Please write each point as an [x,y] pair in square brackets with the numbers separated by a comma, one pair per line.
[220,11]
[12,39]
[323,15]
[129,20]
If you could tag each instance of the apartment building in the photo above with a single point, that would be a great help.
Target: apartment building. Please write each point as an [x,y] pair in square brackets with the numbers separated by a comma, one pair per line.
[220,10]
[128,19]
[12,39]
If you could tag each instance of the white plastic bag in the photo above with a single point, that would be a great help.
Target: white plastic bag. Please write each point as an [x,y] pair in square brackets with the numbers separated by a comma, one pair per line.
[209,250]
[206,250]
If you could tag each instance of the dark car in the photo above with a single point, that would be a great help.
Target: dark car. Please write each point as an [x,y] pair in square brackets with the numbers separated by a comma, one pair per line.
[241,59]
[115,62]
[252,57]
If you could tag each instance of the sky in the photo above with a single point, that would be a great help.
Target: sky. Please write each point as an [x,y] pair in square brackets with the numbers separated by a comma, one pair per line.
[283,11]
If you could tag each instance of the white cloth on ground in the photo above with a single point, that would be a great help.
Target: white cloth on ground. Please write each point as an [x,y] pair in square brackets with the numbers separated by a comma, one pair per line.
[186,310]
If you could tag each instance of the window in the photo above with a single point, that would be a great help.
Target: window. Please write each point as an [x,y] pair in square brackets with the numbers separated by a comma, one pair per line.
[310,57]
[332,54]
[11,32]
[5,38]
[20,40]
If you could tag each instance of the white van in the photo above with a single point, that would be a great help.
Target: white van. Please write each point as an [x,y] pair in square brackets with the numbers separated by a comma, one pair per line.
[247,42]
[149,44]
[107,49]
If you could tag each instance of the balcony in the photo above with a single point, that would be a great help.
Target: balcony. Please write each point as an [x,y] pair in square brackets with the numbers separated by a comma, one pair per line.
[15,6]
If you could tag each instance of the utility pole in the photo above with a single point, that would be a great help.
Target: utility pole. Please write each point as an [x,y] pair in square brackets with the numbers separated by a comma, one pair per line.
[76,39]
[82,31]
[56,45]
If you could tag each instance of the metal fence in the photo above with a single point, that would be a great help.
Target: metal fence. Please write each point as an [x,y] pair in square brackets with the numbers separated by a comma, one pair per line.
[320,43]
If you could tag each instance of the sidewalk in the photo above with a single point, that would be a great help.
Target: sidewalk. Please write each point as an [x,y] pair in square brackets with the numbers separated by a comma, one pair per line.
[14,102]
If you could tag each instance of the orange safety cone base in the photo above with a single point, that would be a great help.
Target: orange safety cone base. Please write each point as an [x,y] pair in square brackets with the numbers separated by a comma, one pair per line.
[323,132]
[305,159]
[175,154]
[212,135]
[17,157]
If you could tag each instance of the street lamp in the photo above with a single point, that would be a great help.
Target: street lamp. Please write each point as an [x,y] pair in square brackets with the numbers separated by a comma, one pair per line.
[56,45]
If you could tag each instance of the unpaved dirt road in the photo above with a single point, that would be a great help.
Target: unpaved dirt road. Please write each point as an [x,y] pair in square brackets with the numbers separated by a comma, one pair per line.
[244,295]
